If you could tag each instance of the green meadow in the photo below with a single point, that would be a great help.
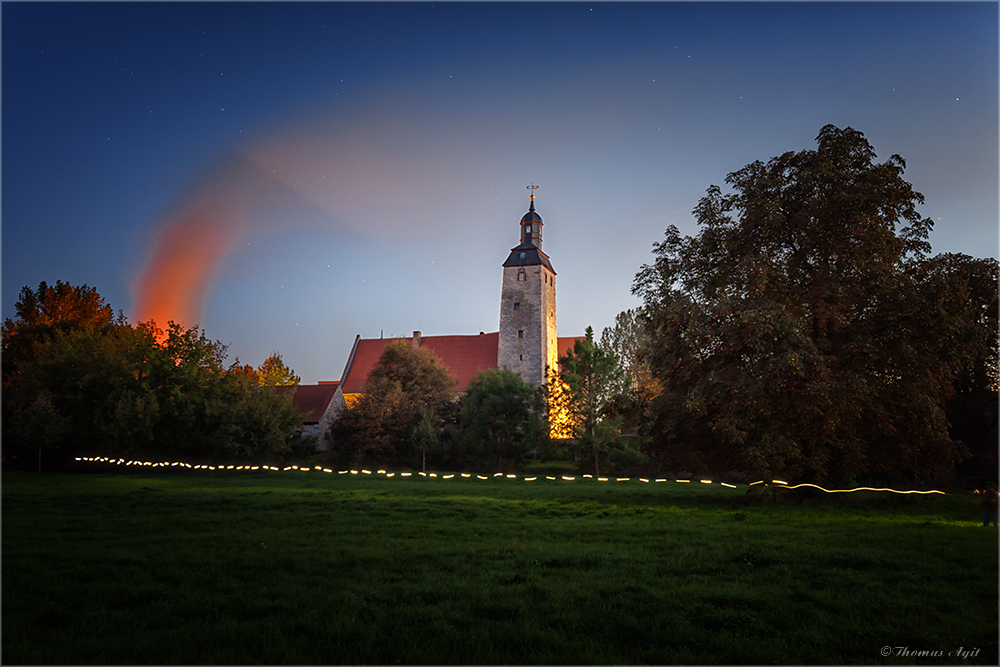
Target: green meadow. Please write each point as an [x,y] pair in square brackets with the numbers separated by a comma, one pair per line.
[304,568]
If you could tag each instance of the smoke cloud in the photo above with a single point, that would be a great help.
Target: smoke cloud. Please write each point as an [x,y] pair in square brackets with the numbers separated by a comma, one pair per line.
[236,200]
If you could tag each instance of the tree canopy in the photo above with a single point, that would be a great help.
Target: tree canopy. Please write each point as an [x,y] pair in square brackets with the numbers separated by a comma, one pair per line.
[589,381]
[628,340]
[405,387]
[274,373]
[502,415]
[800,332]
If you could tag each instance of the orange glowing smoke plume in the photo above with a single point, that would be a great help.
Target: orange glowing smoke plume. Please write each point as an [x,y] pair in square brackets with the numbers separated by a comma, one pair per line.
[190,243]
[173,285]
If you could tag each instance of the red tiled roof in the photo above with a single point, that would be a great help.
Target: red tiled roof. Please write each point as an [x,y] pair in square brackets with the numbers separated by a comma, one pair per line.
[463,356]
[310,400]
[364,355]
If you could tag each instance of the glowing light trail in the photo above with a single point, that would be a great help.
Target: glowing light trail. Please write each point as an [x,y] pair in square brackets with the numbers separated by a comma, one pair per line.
[865,488]
[781,483]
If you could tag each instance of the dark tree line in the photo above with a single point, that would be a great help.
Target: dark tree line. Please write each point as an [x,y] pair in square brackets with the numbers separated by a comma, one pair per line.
[77,379]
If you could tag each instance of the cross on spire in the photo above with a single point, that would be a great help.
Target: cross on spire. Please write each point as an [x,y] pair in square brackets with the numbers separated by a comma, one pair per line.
[532,187]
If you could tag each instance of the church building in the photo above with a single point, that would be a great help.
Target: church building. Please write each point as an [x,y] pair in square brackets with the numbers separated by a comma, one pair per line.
[526,342]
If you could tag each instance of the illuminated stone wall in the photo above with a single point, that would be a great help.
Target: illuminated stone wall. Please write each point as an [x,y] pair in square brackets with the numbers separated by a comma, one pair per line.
[528,342]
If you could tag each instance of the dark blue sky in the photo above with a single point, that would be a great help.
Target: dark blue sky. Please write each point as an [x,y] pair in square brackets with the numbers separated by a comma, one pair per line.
[354,168]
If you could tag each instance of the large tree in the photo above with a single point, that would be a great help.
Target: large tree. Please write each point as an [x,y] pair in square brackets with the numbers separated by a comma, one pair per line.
[502,416]
[589,381]
[42,314]
[274,373]
[791,336]
[404,392]
[628,340]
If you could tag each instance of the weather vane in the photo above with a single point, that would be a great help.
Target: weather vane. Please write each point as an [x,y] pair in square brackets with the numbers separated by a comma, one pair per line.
[532,187]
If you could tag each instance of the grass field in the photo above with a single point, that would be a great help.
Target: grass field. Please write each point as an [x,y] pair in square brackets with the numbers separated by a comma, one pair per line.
[299,568]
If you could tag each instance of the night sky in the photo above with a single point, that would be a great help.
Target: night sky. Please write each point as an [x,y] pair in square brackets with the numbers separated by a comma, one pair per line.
[303,173]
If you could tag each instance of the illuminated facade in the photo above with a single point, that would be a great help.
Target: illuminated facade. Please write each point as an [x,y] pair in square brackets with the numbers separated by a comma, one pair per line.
[528,342]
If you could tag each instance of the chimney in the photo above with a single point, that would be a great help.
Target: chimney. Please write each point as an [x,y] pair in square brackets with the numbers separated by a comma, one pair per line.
[416,339]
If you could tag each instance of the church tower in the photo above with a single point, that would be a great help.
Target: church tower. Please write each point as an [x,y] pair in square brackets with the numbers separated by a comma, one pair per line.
[528,344]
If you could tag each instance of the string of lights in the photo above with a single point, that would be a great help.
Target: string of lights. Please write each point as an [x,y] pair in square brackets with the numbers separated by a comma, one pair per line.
[777,483]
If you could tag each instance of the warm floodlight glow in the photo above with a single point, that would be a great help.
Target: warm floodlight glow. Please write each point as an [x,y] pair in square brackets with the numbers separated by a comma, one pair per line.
[530,479]
[367,472]
[602,479]
[465,474]
[481,477]
[498,474]
[390,474]
[511,476]
[588,476]
[682,481]
[706,481]
[380,472]
[422,474]
[644,480]
[731,486]
[568,479]
[447,476]
[777,481]
[661,480]
[622,479]
[405,474]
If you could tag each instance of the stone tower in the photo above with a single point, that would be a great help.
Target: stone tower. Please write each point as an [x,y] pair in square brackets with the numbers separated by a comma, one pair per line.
[528,343]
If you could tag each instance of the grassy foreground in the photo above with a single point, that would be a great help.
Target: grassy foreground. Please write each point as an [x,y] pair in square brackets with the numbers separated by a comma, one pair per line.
[300,568]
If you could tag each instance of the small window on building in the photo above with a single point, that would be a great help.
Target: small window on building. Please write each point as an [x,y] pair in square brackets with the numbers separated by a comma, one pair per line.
[517,306]
[520,276]
[520,333]
[521,357]
[522,255]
